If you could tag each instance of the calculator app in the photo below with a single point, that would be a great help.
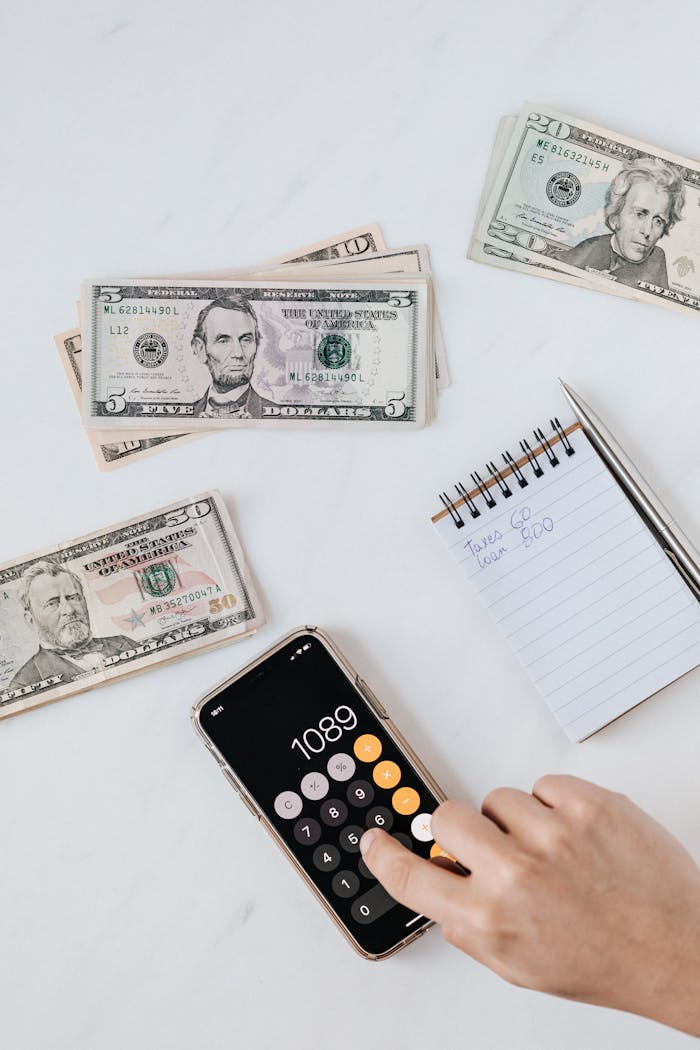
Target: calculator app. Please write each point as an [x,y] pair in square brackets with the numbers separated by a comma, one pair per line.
[320,765]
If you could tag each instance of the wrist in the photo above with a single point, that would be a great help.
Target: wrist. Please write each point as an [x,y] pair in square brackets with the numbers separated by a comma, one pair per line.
[674,997]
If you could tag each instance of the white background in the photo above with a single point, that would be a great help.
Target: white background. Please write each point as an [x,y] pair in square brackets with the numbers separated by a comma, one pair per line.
[141,904]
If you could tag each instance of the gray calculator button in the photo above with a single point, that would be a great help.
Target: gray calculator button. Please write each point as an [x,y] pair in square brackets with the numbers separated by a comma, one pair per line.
[345,883]
[288,805]
[364,870]
[307,831]
[314,786]
[350,838]
[405,840]
[372,905]
[340,766]
[334,812]
[360,793]
[326,858]
[380,817]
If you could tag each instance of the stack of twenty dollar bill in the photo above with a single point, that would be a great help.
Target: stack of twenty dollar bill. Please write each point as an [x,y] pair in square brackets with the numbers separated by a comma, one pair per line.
[573,202]
[340,333]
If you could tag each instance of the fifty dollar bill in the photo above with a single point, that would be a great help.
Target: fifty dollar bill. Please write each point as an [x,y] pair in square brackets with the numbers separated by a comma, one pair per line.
[117,601]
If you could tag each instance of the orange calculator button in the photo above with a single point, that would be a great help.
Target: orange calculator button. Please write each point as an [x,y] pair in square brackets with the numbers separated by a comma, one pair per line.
[386,774]
[438,851]
[367,748]
[405,800]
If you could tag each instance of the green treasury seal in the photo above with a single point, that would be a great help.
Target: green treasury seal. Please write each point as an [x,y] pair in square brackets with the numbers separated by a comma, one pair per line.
[334,351]
[158,580]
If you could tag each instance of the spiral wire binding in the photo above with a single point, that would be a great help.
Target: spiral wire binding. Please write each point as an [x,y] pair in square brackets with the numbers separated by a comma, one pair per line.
[551,456]
[451,509]
[473,509]
[532,458]
[563,437]
[488,498]
[517,472]
[504,488]
[499,479]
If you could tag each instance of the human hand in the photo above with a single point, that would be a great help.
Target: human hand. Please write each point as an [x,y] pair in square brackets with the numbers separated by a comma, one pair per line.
[573,890]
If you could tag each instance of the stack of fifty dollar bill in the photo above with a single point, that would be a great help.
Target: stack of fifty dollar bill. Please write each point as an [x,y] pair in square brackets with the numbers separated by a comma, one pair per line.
[572,202]
[166,584]
[343,332]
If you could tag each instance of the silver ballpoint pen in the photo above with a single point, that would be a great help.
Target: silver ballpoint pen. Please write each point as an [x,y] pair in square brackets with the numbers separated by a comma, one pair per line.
[672,541]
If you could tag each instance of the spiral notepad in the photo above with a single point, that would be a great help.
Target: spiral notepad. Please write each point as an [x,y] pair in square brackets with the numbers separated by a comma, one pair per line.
[593,609]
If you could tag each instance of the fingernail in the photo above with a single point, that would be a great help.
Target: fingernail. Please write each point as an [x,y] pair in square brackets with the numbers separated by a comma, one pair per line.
[367,839]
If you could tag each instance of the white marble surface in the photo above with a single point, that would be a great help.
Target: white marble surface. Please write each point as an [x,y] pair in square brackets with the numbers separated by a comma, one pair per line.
[142,906]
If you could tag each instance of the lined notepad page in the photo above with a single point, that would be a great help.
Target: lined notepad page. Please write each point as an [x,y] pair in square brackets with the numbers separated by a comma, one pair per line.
[592,607]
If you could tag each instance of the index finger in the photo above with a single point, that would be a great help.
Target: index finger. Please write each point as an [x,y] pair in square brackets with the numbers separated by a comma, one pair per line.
[413,881]
[566,792]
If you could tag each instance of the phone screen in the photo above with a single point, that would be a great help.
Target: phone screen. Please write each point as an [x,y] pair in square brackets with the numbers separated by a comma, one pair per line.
[320,765]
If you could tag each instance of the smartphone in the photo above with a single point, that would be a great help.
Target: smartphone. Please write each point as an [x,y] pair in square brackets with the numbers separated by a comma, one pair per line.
[315,757]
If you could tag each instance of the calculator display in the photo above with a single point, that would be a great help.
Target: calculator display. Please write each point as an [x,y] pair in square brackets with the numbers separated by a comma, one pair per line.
[320,765]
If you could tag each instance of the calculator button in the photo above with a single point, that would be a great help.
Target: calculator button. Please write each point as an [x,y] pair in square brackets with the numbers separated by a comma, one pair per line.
[345,884]
[405,840]
[341,766]
[367,748]
[420,827]
[380,817]
[364,870]
[334,812]
[350,838]
[360,793]
[405,800]
[288,805]
[314,786]
[438,851]
[386,774]
[307,831]
[326,858]
[372,905]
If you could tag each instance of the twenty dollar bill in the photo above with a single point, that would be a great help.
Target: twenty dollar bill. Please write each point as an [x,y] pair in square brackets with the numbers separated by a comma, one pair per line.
[598,206]
[120,600]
